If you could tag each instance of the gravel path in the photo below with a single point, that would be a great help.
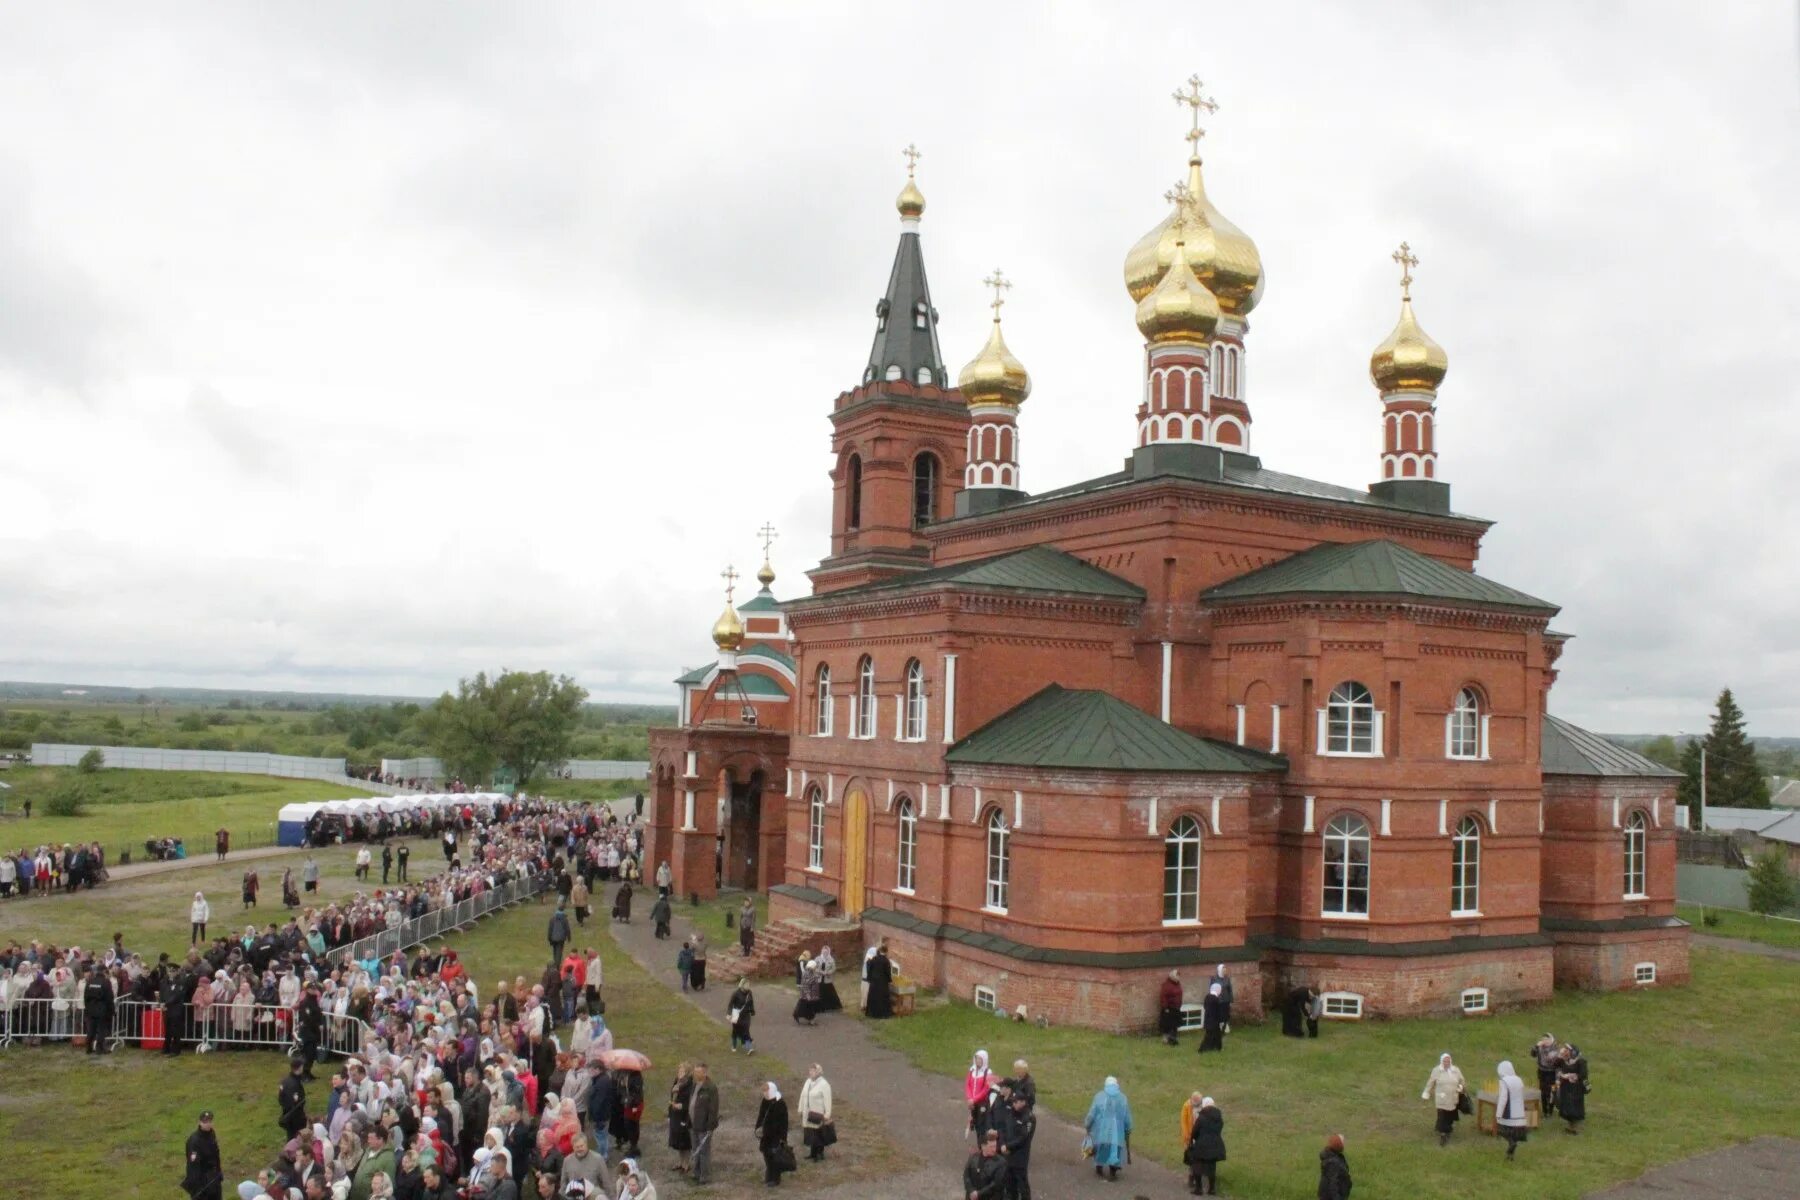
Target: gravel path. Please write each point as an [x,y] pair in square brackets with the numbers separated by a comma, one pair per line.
[1742,946]
[923,1112]
[1765,1169]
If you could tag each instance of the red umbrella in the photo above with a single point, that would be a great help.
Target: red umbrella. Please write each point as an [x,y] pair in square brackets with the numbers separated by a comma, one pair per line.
[625,1060]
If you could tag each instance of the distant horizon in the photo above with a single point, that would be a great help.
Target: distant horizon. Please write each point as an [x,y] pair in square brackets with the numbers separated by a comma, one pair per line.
[227,692]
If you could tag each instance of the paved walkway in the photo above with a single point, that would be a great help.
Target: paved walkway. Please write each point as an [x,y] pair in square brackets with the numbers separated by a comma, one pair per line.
[1765,1169]
[1742,946]
[208,859]
[923,1113]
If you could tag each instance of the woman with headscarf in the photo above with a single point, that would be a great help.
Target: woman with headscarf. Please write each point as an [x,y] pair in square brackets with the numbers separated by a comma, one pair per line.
[1444,1089]
[738,1010]
[1168,1009]
[634,1184]
[1509,1108]
[977,1083]
[1334,1170]
[1212,1013]
[817,1130]
[1295,1012]
[1108,1128]
[1571,1087]
[806,1008]
[826,966]
[199,913]
[1205,1149]
[772,1132]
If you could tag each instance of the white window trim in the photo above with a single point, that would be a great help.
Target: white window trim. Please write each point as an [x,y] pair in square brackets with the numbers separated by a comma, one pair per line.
[900,891]
[1331,916]
[1326,1000]
[982,991]
[1193,923]
[1469,993]
[1637,974]
[1378,740]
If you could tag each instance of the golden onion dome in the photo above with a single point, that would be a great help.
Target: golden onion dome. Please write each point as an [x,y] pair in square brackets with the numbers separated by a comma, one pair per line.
[1179,308]
[765,575]
[911,201]
[728,630]
[994,376]
[1408,360]
[1220,254]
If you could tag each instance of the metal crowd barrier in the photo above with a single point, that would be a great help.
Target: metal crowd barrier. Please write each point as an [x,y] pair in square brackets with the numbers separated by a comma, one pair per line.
[262,1026]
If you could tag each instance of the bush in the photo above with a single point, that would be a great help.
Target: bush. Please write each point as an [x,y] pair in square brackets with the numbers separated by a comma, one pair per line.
[92,761]
[69,799]
[1771,889]
[1711,919]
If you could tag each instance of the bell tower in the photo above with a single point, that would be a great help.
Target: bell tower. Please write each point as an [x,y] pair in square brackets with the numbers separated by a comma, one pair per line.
[899,438]
[1407,369]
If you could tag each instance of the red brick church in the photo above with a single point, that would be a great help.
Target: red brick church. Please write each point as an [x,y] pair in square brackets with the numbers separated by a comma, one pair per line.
[1052,744]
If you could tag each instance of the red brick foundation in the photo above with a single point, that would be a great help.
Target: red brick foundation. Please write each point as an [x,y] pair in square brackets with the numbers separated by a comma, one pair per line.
[1422,986]
[1605,962]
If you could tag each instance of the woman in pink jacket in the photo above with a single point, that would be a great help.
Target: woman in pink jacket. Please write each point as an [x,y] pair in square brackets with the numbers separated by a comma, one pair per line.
[976,1086]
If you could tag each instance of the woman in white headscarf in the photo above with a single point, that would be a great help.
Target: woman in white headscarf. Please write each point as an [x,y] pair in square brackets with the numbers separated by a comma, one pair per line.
[199,913]
[1444,1089]
[1509,1109]
[1212,1018]
[772,1134]
[976,1085]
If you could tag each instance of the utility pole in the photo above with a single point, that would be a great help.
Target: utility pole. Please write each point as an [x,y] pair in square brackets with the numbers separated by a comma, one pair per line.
[1703,787]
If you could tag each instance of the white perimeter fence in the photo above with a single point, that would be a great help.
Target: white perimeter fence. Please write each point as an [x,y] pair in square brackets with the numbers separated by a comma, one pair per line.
[151,758]
[574,768]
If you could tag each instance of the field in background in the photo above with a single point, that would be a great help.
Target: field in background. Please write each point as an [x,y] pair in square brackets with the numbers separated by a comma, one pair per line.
[1725,922]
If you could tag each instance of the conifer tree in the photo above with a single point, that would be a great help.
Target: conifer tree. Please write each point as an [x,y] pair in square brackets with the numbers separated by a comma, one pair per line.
[1688,790]
[1734,779]
[1771,888]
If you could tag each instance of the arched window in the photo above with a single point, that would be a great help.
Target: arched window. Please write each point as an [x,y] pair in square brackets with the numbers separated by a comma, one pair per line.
[1465,868]
[1462,738]
[815,829]
[854,500]
[914,729]
[1350,720]
[1635,829]
[925,487]
[1181,871]
[1346,866]
[864,714]
[822,720]
[908,856]
[999,861]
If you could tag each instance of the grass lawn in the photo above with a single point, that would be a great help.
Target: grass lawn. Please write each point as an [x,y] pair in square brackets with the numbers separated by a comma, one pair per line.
[126,807]
[591,789]
[1675,1071]
[1775,931]
[140,1143]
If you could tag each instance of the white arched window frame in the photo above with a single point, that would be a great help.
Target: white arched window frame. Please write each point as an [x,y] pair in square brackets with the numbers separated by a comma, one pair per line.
[1466,727]
[913,728]
[815,829]
[822,703]
[1465,868]
[1350,725]
[1346,867]
[862,713]
[1181,873]
[1636,834]
[908,855]
[999,863]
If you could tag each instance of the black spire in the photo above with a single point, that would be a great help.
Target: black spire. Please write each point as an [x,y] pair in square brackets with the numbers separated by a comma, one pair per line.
[906,342]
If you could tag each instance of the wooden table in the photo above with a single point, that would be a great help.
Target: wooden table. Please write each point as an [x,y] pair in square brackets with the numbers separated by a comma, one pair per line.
[1487,1110]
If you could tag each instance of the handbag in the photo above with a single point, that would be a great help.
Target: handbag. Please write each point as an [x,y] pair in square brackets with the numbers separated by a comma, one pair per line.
[1464,1105]
[783,1157]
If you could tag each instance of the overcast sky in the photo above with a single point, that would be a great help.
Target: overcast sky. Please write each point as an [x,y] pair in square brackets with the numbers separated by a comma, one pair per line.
[361,346]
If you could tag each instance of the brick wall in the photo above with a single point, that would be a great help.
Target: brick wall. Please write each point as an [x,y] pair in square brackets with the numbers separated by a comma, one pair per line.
[1424,986]
[1608,962]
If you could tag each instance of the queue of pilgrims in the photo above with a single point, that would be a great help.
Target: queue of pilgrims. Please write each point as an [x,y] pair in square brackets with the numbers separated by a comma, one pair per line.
[48,869]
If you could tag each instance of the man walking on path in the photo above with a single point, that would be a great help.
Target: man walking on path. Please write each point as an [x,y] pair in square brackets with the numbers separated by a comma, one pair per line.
[705,1111]
[402,854]
[558,932]
[387,862]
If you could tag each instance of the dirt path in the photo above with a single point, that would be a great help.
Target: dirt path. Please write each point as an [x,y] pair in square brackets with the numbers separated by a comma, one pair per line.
[209,859]
[923,1112]
[1742,946]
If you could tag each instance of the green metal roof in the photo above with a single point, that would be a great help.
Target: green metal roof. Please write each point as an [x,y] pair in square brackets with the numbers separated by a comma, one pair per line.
[763,601]
[765,650]
[1034,569]
[1571,750]
[758,686]
[1377,568]
[1090,730]
[697,675]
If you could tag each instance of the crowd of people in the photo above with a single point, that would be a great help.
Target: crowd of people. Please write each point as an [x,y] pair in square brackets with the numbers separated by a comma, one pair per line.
[48,869]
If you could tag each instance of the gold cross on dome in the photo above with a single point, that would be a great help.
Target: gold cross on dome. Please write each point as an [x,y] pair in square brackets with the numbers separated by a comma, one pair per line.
[768,535]
[999,283]
[912,156]
[1197,104]
[1180,197]
[730,576]
[1407,260]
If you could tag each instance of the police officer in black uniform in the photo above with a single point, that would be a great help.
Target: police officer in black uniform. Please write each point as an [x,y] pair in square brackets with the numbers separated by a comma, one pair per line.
[97,1006]
[1019,1130]
[204,1179]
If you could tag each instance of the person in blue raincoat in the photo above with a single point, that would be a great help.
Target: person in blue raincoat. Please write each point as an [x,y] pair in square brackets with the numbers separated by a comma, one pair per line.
[1109,1129]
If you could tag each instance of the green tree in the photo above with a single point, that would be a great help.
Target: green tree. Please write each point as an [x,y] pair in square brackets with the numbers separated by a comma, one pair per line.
[523,721]
[1662,749]
[1734,778]
[91,762]
[1771,887]
[1688,790]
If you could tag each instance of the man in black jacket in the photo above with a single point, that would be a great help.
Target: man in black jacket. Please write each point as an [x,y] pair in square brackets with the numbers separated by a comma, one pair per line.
[203,1180]
[291,1096]
[984,1175]
[1021,1127]
[309,1022]
[97,1006]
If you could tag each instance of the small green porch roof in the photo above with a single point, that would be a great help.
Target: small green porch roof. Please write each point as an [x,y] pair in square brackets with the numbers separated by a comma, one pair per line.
[1091,730]
[1567,749]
